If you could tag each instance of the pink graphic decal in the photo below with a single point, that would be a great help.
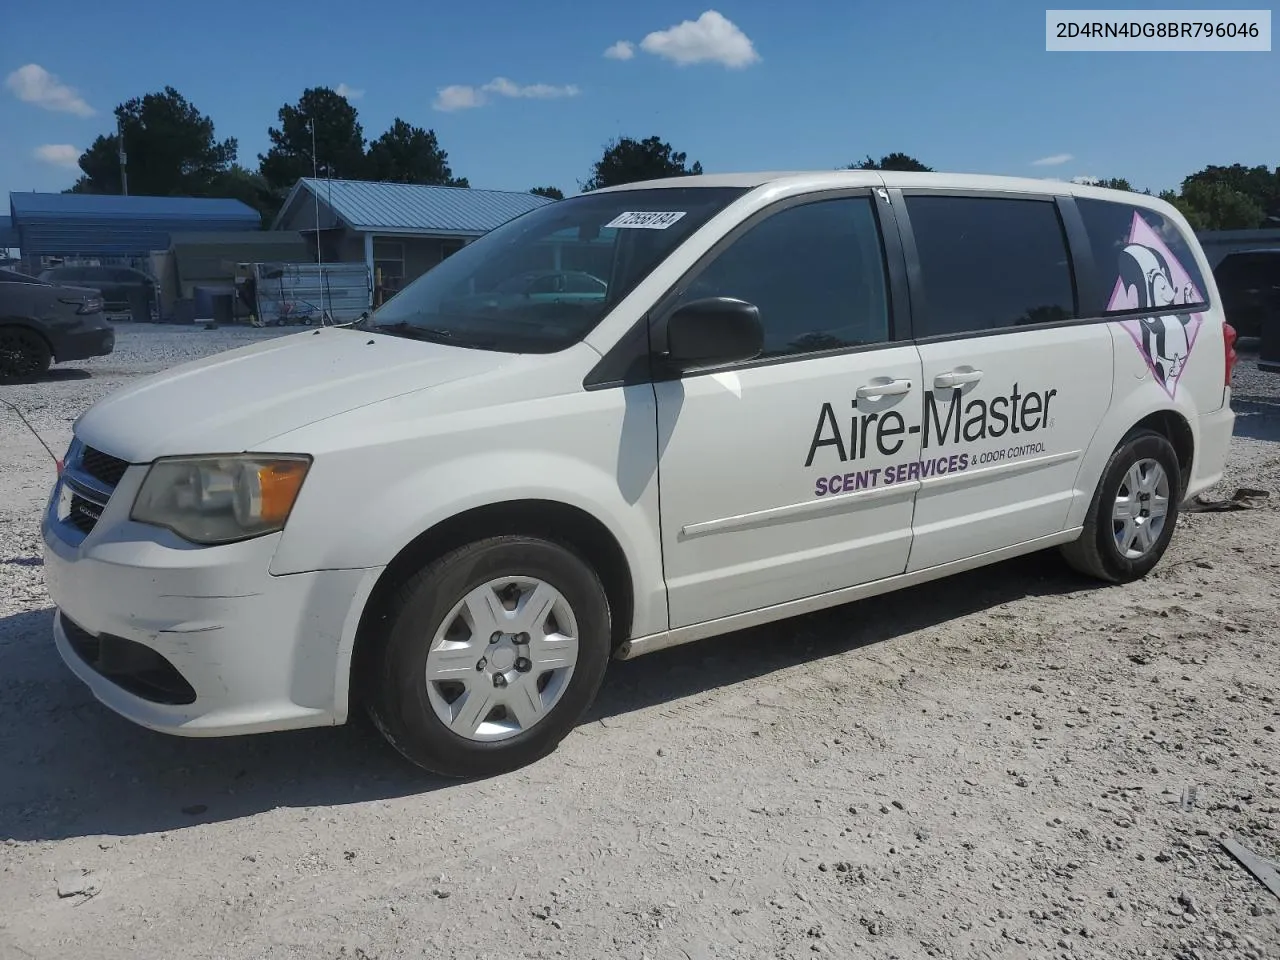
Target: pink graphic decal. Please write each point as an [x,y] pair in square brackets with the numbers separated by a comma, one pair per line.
[1150,278]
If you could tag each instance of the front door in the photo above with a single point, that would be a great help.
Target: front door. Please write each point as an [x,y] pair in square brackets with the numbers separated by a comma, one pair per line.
[787,476]
[1013,385]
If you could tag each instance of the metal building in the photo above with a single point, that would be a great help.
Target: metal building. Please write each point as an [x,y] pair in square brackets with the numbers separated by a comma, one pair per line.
[8,235]
[112,228]
[398,230]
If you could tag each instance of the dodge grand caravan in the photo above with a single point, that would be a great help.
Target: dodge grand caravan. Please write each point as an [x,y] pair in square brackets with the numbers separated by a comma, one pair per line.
[780,393]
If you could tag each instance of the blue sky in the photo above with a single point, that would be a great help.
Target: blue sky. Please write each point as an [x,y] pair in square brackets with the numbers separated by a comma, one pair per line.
[774,85]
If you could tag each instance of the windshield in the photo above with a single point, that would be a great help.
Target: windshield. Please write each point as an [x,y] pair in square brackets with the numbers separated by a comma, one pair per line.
[542,281]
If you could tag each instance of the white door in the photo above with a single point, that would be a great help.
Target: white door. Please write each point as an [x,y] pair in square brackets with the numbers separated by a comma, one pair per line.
[1012,383]
[778,477]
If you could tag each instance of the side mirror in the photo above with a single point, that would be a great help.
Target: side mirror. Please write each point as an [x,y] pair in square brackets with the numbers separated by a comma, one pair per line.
[713,331]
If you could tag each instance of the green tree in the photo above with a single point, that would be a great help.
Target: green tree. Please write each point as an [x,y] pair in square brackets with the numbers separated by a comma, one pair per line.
[100,164]
[409,154]
[1194,217]
[1219,207]
[891,161]
[250,187]
[1114,183]
[339,141]
[627,160]
[170,146]
[1259,183]
[555,193]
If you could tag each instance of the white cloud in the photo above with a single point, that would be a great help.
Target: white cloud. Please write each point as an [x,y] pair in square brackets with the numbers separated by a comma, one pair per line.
[536,91]
[710,39]
[34,84]
[458,97]
[1054,160]
[351,93]
[464,97]
[59,155]
[622,50]
[1085,181]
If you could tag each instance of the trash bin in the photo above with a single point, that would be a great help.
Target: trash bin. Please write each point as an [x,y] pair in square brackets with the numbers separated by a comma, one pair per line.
[222,307]
[205,298]
[140,305]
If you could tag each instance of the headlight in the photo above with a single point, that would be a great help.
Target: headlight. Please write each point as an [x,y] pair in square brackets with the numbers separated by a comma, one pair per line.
[221,499]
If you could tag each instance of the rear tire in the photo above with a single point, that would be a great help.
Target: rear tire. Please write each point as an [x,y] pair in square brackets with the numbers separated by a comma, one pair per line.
[493,653]
[1133,513]
[24,354]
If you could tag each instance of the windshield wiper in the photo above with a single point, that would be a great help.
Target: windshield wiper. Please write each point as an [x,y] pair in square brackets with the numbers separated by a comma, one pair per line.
[433,334]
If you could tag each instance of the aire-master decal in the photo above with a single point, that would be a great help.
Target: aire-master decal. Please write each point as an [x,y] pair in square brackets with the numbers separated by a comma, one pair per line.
[1151,277]
[1018,416]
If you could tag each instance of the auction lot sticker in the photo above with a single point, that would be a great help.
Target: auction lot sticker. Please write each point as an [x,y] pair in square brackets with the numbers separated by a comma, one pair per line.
[646,219]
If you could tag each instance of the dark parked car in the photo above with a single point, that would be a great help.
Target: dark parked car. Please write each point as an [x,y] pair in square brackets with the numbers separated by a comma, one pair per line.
[42,322]
[116,283]
[1249,282]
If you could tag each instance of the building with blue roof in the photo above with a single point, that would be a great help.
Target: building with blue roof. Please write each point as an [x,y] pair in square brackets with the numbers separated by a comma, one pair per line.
[8,235]
[112,228]
[399,230]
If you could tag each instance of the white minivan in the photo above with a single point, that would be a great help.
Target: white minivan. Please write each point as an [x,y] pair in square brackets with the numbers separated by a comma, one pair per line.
[630,419]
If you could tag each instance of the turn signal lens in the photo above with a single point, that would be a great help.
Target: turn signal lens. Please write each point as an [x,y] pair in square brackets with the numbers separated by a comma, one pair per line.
[268,494]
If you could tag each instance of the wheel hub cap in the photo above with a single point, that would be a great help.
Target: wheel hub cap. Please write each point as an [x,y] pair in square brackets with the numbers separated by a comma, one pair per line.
[1140,509]
[502,658]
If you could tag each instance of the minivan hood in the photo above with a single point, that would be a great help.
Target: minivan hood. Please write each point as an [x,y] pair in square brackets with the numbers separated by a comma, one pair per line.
[236,400]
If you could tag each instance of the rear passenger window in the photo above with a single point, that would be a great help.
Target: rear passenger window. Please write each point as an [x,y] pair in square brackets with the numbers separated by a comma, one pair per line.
[1144,262]
[990,263]
[815,271]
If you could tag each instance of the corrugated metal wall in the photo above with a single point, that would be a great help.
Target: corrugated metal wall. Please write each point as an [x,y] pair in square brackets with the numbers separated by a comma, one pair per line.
[289,292]
[88,237]
[113,226]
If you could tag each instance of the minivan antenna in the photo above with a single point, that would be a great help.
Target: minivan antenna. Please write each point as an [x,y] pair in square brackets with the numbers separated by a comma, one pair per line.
[28,425]
[315,192]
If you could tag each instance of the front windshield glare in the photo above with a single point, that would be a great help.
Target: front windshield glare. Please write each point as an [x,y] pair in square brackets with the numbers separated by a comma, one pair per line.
[542,281]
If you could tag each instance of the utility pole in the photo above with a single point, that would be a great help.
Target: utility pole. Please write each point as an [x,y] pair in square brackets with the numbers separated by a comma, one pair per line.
[124,160]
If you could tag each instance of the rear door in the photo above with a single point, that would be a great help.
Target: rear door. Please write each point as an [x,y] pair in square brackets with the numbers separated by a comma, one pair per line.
[779,476]
[1016,382]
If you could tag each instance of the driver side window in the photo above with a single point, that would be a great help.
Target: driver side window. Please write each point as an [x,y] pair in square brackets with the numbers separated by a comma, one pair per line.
[815,271]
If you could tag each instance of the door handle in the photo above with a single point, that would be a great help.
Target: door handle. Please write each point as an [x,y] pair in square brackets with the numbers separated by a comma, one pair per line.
[957,377]
[886,388]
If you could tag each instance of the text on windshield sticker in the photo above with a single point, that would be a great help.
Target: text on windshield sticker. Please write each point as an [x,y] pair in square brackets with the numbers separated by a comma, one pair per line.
[646,219]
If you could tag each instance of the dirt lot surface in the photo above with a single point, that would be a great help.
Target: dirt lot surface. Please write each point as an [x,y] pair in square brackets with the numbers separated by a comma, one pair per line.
[1013,763]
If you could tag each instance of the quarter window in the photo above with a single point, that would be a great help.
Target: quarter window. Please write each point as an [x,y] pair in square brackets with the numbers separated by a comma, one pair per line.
[1143,261]
[990,263]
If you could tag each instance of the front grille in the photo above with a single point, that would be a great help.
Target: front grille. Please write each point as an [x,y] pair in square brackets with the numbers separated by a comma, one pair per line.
[131,666]
[102,466]
[84,513]
[89,479]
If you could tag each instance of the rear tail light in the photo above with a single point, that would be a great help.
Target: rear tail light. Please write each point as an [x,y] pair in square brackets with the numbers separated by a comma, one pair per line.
[1229,340]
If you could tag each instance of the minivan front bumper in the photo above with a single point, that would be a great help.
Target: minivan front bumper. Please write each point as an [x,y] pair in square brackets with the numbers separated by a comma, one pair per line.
[198,641]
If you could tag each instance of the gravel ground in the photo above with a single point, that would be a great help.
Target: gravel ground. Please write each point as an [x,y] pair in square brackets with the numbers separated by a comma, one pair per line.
[1014,764]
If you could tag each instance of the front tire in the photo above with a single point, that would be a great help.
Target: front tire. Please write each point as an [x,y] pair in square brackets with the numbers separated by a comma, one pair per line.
[493,653]
[24,354]
[1134,511]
